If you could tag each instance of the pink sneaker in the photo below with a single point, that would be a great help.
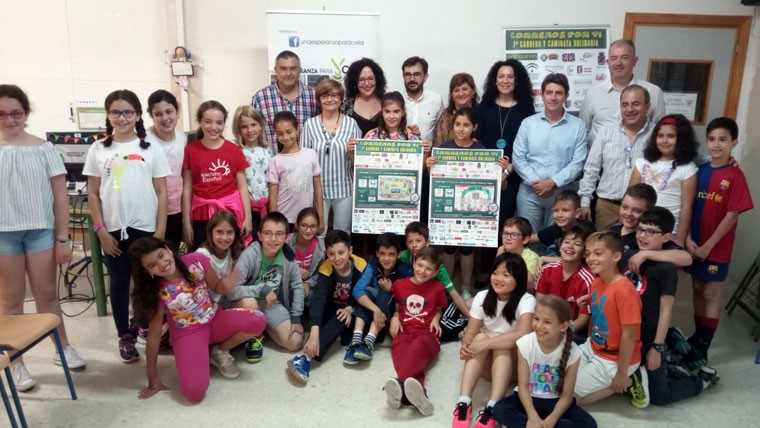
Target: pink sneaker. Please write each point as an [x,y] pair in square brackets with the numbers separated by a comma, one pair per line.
[462,414]
[485,419]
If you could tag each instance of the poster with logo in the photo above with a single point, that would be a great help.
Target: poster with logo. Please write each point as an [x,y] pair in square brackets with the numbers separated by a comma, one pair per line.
[580,53]
[464,197]
[326,42]
[387,185]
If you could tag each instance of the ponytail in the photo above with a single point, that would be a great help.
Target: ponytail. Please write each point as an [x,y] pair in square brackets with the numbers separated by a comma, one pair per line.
[141,134]
[109,130]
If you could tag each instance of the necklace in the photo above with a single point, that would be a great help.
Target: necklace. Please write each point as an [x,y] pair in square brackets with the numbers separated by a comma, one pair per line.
[329,136]
[501,143]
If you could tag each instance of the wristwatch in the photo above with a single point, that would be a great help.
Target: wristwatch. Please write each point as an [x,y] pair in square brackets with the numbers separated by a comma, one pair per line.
[660,347]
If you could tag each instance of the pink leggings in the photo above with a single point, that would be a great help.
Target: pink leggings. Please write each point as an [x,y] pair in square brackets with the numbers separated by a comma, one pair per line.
[191,344]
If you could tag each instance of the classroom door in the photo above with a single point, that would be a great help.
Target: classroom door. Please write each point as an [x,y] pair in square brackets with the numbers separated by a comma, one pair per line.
[697,60]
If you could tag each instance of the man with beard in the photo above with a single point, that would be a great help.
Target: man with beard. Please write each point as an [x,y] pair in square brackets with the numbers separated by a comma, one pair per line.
[612,157]
[423,107]
[602,104]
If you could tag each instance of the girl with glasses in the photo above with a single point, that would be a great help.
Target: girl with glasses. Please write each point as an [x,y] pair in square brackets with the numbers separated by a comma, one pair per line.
[127,199]
[34,222]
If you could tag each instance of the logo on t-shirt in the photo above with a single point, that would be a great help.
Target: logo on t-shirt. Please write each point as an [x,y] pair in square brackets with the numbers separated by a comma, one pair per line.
[544,378]
[600,331]
[413,309]
[724,184]
[217,171]
[639,281]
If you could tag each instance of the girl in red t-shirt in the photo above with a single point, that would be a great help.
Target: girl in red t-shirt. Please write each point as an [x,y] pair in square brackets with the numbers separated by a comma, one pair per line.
[213,174]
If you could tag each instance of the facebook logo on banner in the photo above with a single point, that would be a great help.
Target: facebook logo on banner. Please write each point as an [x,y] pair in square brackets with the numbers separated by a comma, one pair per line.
[294,41]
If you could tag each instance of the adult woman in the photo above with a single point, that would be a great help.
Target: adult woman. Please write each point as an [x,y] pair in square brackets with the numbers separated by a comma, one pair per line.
[328,134]
[507,100]
[34,222]
[365,87]
[462,93]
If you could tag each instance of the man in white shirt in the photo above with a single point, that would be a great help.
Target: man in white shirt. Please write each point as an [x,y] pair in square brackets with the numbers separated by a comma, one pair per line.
[602,104]
[423,107]
[613,155]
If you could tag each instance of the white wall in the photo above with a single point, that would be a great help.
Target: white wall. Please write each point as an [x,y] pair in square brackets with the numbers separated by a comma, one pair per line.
[228,43]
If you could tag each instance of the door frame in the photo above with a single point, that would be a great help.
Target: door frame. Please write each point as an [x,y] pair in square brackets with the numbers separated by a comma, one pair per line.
[742,25]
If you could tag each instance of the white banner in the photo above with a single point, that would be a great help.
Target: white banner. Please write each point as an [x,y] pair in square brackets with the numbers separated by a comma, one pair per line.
[326,42]
[580,53]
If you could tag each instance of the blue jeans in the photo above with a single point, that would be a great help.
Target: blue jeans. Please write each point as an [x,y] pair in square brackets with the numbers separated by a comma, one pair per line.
[664,390]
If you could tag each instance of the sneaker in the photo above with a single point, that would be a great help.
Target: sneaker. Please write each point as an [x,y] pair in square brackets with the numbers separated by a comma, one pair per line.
[709,376]
[127,349]
[142,335]
[364,351]
[677,341]
[73,360]
[466,294]
[394,392]
[639,389]
[415,393]
[224,361]
[299,367]
[678,371]
[254,350]
[21,377]
[485,419]
[349,358]
[462,414]
[695,359]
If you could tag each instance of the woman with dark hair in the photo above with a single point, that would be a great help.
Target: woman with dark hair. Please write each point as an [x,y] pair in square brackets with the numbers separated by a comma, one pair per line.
[462,93]
[365,86]
[507,100]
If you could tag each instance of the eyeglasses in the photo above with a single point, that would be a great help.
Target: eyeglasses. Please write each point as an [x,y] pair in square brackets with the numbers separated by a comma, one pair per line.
[370,79]
[333,95]
[647,232]
[15,114]
[128,114]
[308,226]
[512,235]
[415,75]
[269,234]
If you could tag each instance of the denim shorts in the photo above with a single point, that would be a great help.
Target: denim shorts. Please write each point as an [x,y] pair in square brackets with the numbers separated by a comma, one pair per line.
[25,241]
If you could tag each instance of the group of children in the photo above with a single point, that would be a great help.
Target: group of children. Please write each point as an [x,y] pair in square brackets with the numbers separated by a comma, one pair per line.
[616,288]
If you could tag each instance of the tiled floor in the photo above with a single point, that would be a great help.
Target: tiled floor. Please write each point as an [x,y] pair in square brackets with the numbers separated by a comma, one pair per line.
[343,397]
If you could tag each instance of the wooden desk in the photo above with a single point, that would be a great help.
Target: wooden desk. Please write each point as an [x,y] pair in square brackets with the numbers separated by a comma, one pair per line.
[96,256]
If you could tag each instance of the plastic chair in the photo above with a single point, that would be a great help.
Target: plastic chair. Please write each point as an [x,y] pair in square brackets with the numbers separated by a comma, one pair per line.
[20,333]
[5,363]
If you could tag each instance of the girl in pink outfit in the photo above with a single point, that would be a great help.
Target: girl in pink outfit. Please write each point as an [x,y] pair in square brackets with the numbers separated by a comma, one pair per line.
[213,176]
[166,284]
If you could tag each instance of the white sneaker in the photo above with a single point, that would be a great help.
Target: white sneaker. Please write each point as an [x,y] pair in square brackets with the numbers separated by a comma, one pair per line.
[415,393]
[21,377]
[72,358]
[466,294]
[225,362]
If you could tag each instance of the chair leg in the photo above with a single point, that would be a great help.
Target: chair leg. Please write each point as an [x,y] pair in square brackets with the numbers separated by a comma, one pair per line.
[7,403]
[14,393]
[64,363]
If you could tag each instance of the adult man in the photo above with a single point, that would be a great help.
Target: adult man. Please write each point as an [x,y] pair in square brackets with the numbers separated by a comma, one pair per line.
[602,104]
[285,94]
[548,153]
[612,157]
[423,107]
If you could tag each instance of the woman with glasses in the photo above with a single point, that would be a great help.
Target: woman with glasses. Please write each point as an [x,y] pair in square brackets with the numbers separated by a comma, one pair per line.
[126,178]
[34,222]
[328,134]
[462,93]
[365,86]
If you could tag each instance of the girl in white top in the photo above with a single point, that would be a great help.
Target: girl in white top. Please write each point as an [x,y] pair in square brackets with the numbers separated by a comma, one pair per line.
[164,110]
[248,128]
[499,316]
[668,166]
[223,245]
[34,221]
[547,366]
[127,200]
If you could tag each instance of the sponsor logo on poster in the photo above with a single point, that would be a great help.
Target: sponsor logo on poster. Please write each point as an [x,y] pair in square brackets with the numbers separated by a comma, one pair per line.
[294,41]
[568,57]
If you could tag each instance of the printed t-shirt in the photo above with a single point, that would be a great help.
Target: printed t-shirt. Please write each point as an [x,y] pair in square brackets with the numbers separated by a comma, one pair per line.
[612,306]
[187,302]
[418,303]
[544,368]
